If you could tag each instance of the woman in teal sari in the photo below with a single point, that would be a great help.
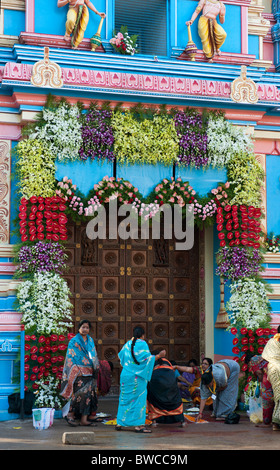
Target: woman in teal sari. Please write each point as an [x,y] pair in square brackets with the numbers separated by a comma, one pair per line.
[137,367]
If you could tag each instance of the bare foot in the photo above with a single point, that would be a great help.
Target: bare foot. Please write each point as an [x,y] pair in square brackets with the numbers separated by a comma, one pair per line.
[67,37]
[85,422]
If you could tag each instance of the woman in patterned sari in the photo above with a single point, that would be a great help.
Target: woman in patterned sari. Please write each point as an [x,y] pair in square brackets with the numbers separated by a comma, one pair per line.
[259,368]
[271,354]
[137,366]
[79,377]
[193,369]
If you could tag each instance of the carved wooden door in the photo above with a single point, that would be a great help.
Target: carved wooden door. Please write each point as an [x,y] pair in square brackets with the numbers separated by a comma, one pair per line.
[118,284]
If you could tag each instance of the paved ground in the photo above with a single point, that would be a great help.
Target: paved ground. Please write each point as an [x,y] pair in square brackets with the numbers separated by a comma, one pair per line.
[215,436]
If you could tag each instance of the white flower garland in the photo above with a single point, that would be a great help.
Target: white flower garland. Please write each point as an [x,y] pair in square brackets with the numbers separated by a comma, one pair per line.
[62,131]
[224,141]
[248,305]
[45,305]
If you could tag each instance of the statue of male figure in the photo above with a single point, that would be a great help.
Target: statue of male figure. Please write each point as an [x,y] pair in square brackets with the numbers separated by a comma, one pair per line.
[77,19]
[211,33]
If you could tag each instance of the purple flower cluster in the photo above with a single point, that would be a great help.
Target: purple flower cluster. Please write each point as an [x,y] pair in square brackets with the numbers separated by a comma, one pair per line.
[193,139]
[236,262]
[41,257]
[97,135]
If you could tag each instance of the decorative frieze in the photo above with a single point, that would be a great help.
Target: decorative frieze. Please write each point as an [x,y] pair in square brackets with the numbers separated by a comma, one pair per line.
[135,82]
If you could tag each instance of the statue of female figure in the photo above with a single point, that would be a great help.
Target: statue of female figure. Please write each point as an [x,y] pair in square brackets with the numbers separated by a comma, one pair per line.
[77,19]
[211,33]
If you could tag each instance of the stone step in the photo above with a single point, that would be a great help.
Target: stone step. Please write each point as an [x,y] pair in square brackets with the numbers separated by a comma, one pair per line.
[78,438]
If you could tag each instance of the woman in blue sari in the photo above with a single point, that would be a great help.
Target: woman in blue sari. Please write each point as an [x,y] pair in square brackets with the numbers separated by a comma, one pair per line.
[137,367]
[79,377]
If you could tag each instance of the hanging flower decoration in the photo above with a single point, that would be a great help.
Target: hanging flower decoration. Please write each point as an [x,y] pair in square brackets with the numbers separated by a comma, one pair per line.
[237,262]
[222,194]
[110,188]
[44,303]
[192,134]
[44,256]
[171,191]
[42,219]
[225,141]
[247,343]
[60,128]
[148,141]
[97,135]
[44,357]
[248,305]
[239,225]
[35,168]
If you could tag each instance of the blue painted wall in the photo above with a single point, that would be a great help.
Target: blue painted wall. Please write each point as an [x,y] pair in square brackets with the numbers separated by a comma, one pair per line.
[273,193]
[49,19]
[14,22]
[253,45]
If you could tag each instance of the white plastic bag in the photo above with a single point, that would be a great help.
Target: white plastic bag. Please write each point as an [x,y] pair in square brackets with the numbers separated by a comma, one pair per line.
[255,410]
[42,418]
[65,409]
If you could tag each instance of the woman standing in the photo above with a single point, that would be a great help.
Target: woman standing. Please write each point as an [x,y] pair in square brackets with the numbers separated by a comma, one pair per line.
[271,354]
[137,366]
[259,368]
[220,382]
[79,376]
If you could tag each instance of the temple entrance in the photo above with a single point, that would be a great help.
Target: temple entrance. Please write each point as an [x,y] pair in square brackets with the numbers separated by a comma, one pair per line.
[118,284]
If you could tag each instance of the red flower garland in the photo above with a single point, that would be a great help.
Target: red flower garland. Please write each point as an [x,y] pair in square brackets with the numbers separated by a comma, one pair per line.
[238,225]
[247,340]
[42,218]
[44,356]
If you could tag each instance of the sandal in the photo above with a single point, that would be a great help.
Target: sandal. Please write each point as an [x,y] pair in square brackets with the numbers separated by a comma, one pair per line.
[118,427]
[71,421]
[96,420]
[143,429]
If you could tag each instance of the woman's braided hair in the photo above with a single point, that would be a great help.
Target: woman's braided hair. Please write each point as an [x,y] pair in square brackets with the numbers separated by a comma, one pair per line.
[137,333]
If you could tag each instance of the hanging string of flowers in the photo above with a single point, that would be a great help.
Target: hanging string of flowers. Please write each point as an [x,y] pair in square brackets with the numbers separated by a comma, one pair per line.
[59,127]
[192,133]
[168,191]
[97,134]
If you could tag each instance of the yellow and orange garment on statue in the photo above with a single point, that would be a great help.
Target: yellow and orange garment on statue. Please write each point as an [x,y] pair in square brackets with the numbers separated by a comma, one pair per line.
[211,33]
[76,24]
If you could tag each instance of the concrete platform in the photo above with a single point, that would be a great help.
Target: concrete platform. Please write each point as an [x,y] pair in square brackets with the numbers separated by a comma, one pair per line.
[211,436]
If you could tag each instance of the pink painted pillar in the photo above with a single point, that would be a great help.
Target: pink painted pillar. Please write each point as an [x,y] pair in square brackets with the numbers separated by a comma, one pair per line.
[244,29]
[29,16]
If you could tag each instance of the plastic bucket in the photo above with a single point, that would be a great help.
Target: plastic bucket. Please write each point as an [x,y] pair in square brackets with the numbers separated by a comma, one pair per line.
[42,418]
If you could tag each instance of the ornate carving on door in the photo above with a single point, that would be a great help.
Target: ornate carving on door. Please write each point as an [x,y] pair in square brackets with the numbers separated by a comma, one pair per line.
[119,284]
